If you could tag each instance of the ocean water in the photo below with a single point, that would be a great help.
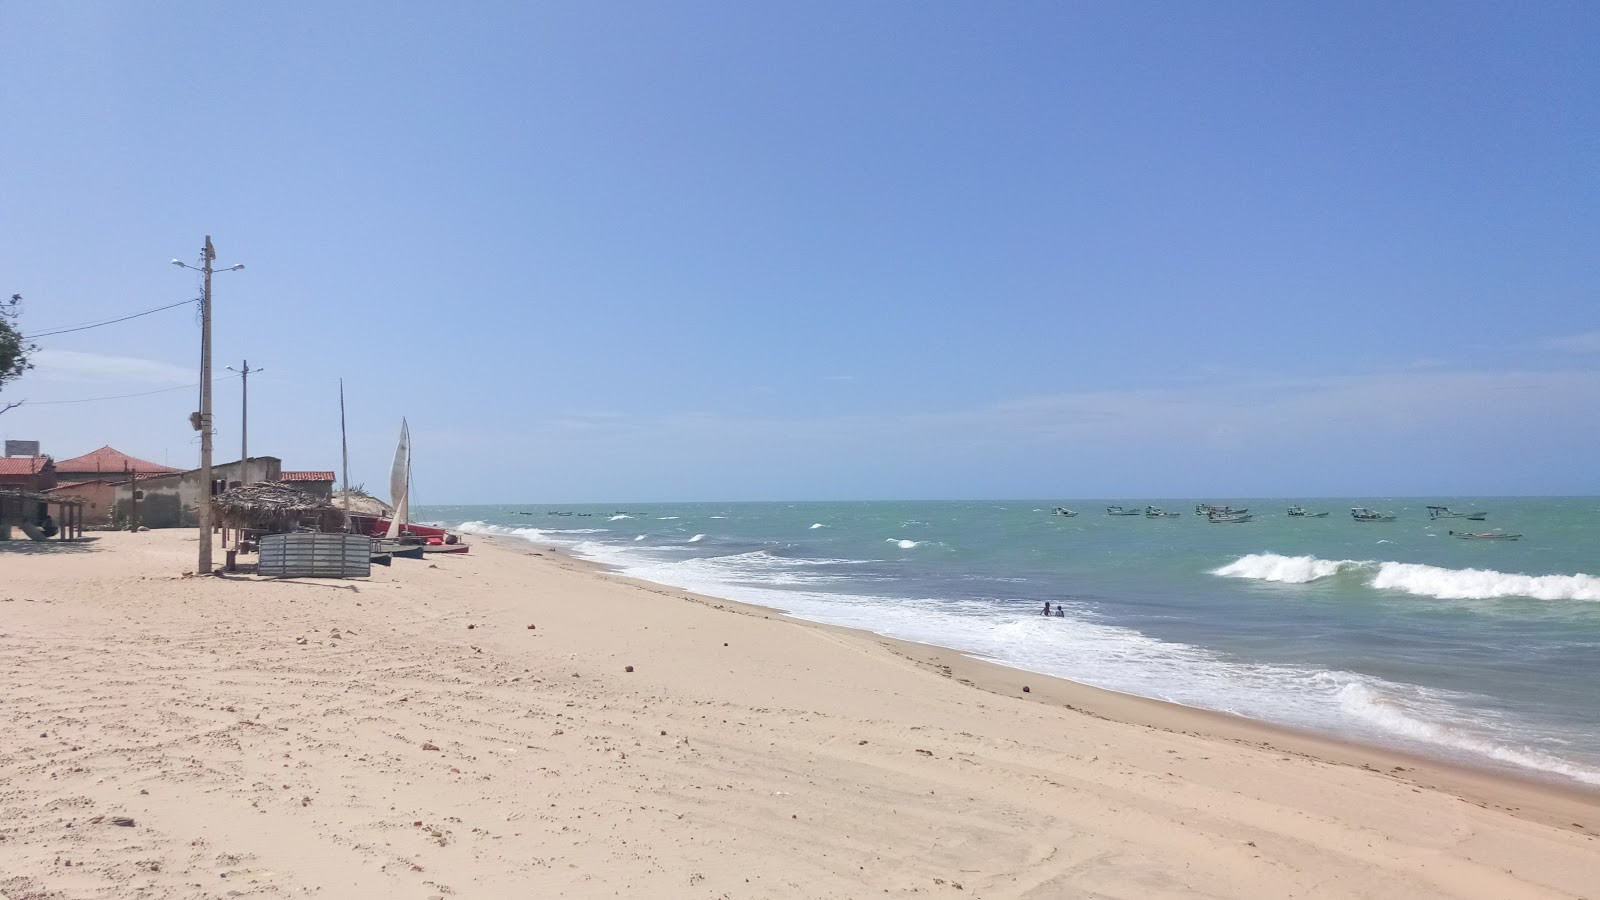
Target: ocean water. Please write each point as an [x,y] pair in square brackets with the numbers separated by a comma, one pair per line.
[1391,633]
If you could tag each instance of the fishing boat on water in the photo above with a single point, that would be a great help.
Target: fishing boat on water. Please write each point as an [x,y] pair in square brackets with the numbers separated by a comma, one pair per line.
[1362,514]
[1119,511]
[1206,509]
[1299,512]
[1233,518]
[1445,512]
[1062,511]
[1486,536]
[1156,512]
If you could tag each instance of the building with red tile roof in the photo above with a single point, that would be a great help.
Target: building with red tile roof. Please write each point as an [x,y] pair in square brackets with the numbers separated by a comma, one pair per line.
[107,462]
[29,473]
[318,484]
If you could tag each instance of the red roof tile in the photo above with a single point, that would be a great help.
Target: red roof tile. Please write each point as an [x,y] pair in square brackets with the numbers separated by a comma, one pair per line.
[110,461]
[22,465]
[305,476]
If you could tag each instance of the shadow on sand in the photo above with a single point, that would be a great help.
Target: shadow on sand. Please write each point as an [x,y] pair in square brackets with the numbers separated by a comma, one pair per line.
[36,548]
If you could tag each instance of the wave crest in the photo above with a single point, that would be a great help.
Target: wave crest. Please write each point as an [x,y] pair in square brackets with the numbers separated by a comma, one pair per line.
[1482,584]
[1287,569]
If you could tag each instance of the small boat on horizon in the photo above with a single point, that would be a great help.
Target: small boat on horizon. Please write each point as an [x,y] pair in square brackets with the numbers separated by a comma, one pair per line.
[1062,511]
[1156,512]
[1299,512]
[1119,511]
[1486,536]
[1206,509]
[1230,518]
[1362,514]
[1445,512]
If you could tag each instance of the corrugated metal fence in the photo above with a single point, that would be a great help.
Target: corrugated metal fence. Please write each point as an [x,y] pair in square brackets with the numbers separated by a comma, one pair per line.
[313,555]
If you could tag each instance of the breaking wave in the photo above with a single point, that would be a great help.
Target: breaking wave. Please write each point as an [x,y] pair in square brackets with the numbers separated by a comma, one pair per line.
[1482,584]
[902,543]
[1415,578]
[1289,569]
[698,537]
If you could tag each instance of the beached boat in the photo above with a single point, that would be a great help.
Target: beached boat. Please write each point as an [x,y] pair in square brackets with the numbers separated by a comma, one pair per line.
[1220,518]
[1362,514]
[1119,511]
[1156,512]
[1486,536]
[1299,512]
[1445,512]
[1062,511]
[394,534]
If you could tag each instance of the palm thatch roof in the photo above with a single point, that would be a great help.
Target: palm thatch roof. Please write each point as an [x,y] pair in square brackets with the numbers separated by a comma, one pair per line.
[273,506]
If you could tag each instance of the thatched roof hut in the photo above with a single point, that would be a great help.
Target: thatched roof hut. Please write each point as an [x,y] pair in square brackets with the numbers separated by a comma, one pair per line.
[363,504]
[274,508]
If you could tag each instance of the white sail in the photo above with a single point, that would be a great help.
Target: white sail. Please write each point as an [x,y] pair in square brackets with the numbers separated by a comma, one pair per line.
[400,481]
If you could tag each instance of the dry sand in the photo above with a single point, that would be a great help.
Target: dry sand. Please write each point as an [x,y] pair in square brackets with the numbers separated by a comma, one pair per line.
[409,736]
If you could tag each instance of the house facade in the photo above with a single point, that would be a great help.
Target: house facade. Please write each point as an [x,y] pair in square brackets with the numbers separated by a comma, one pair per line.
[173,500]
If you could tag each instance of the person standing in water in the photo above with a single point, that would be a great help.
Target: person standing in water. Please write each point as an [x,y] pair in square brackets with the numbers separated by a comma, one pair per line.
[1046,608]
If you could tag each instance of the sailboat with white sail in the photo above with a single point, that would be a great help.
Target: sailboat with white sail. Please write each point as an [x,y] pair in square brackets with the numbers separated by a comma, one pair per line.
[400,483]
[395,534]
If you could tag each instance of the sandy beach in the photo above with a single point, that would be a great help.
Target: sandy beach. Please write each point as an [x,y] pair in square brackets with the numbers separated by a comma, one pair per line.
[515,723]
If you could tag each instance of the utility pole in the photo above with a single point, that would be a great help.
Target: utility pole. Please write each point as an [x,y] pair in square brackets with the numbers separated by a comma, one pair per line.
[207,256]
[201,421]
[244,420]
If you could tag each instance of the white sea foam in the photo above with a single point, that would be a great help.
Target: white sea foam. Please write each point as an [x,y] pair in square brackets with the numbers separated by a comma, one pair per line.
[902,543]
[1289,569]
[619,516]
[1482,584]
[1368,702]
[667,518]
[819,525]
[1416,578]
[639,538]
[698,537]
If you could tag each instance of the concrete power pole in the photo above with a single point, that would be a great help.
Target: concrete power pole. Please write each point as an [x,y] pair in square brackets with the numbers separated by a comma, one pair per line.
[204,566]
[202,419]
[244,419]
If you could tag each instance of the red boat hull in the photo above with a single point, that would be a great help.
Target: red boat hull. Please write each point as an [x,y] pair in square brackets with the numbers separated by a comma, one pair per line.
[377,526]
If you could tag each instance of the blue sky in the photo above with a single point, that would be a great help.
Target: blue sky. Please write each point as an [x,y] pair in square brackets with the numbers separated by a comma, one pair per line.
[720,251]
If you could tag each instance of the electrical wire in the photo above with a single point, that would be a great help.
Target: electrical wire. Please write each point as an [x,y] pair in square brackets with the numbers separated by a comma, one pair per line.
[40,334]
[181,387]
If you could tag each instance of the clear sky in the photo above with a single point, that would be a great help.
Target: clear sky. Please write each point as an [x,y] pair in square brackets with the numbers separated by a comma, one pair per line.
[720,251]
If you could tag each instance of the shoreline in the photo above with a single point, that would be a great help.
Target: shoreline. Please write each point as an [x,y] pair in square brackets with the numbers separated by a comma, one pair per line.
[1551,799]
[517,722]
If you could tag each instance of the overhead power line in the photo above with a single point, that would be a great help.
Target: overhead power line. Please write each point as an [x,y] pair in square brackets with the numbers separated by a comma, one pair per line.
[181,387]
[40,334]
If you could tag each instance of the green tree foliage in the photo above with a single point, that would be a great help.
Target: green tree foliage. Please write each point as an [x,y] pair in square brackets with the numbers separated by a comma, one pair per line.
[14,348]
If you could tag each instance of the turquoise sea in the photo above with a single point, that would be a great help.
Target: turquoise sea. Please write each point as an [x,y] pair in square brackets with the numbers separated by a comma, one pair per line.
[1392,633]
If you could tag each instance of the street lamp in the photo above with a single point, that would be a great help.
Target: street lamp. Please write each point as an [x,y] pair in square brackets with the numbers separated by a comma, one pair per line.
[244,418]
[201,421]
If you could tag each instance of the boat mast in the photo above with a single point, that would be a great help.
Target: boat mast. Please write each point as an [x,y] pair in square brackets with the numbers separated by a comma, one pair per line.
[344,447]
